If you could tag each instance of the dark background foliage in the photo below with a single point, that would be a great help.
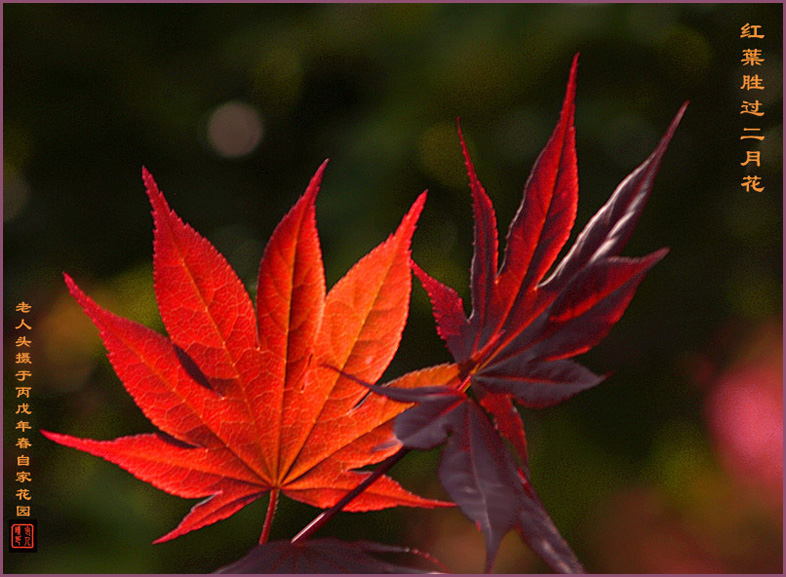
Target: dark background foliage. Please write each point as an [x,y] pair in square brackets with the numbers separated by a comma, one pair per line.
[672,465]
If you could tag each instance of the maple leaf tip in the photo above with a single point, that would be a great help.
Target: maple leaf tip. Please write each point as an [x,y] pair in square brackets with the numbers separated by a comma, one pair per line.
[654,159]
[568,105]
[413,214]
[666,138]
[88,305]
[659,254]
[75,291]
[154,194]
[422,275]
[168,537]
[474,183]
[421,199]
[323,166]
[147,178]
[678,118]
[60,438]
[316,181]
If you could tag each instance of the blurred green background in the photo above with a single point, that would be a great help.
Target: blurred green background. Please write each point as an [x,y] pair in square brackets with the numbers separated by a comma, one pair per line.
[674,464]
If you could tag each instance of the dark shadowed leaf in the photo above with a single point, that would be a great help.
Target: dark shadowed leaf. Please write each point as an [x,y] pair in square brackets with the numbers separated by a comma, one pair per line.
[478,472]
[521,323]
[517,342]
[326,555]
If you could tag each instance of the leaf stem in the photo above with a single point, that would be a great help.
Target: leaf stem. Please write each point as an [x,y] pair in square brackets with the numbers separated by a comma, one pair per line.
[320,520]
[271,512]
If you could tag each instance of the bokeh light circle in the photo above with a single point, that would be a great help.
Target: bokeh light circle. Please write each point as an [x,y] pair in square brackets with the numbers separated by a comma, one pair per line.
[234,129]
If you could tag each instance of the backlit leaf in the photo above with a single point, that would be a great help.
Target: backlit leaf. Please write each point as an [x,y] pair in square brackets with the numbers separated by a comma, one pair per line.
[241,396]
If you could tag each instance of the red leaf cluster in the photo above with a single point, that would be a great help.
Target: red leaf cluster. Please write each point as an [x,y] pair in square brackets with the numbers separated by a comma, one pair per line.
[266,398]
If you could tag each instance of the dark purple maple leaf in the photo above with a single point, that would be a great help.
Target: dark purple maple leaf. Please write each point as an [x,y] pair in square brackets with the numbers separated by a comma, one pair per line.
[327,555]
[516,344]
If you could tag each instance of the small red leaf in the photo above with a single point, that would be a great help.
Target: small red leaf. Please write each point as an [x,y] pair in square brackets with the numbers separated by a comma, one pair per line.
[290,304]
[184,471]
[545,216]
[203,304]
[484,260]
[209,316]
[452,324]
[149,366]
[365,313]
[507,420]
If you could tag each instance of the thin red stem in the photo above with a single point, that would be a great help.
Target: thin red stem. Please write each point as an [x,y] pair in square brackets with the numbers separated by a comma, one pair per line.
[271,512]
[320,520]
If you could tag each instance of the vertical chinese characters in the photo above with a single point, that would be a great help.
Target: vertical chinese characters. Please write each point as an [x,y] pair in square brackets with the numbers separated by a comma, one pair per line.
[23,374]
[751,106]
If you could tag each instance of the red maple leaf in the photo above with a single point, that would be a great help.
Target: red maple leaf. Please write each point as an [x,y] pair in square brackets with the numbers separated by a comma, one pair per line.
[523,328]
[243,400]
